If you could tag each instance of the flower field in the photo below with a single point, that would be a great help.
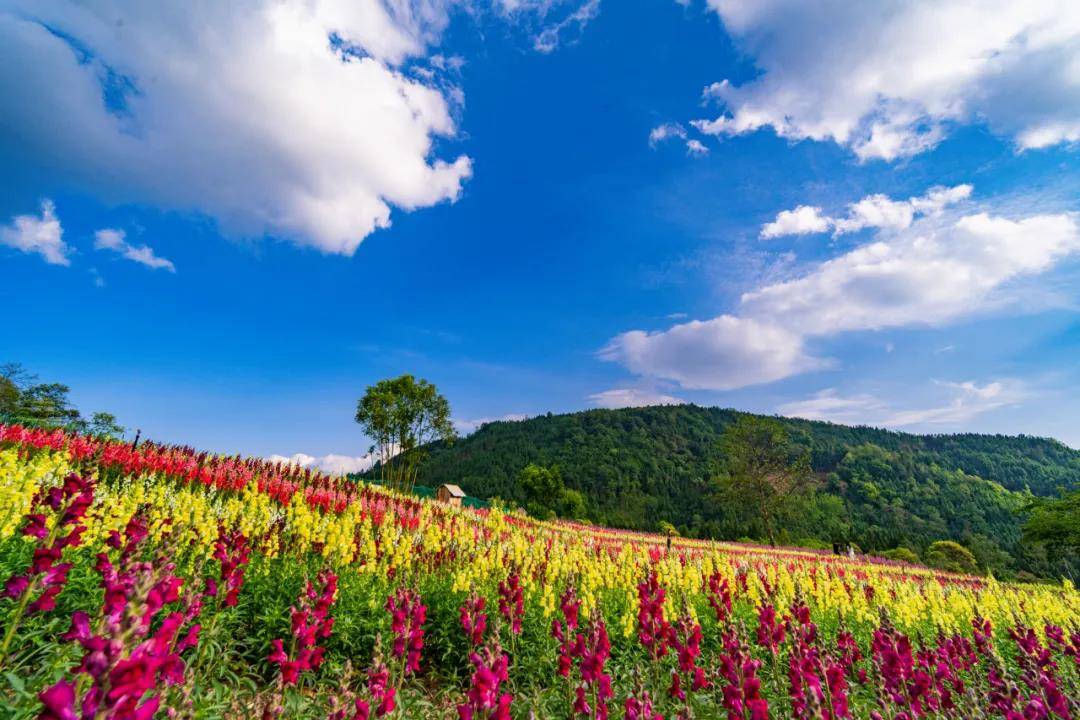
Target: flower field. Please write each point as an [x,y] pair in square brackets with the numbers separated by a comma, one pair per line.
[162,582]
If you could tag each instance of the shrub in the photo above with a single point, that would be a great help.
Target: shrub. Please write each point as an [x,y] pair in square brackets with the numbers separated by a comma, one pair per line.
[952,557]
[902,554]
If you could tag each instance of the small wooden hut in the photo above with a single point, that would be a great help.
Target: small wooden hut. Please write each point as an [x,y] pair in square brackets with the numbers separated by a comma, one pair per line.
[450,494]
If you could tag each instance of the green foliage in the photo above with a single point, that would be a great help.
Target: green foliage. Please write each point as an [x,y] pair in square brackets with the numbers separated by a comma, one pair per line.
[24,400]
[951,556]
[764,470]
[403,415]
[546,495]
[666,528]
[105,424]
[875,488]
[901,554]
[1055,522]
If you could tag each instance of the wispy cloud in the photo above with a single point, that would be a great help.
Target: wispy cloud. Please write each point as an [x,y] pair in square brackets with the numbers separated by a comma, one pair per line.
[114,240]
[632,397]
[966,400]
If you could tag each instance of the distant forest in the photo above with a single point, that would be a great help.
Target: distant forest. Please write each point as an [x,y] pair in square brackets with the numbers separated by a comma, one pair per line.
[645,468]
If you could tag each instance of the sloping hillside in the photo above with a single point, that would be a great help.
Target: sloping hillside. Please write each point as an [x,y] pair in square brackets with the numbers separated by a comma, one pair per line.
[639,466]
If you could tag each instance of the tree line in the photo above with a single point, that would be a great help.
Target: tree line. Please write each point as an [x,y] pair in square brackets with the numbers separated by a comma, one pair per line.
[26,400]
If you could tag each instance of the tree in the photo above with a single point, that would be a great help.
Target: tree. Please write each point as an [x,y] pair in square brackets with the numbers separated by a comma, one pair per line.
[1055,522]
[764,468]
[105,424]
[11,375]
[402,415]
[547,496]
[951,557]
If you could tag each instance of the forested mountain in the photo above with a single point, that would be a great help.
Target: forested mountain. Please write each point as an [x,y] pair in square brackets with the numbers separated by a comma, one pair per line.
[638,467]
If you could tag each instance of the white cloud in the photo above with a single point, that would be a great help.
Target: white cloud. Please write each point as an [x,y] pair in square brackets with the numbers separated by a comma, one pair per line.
[931,273]
[873,211]
[888,80]
[939,269]
[666,131]
[969,400]
[42,235]
[829,405]
[111,239]
[696,148]
[466,426]
[332,464]
[675,131]
[966,401]
[553,34]
[724,353]
[802,220]
[632,397]
[246,112]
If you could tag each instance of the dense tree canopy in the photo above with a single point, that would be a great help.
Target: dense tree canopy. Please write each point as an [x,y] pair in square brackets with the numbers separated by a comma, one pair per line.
[875,488]
[1055,522]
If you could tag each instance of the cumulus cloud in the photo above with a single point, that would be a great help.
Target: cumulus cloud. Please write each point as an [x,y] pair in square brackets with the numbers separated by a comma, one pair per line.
[111,239]
[873,211]
[966,401]
[632,397]
[889,79]
[332,464]
[932,273]
[802,220]
[297,119]
[724,353]
[939,269]
[38,234]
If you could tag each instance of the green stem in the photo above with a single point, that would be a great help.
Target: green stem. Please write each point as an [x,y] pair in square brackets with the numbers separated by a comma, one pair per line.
[24,600]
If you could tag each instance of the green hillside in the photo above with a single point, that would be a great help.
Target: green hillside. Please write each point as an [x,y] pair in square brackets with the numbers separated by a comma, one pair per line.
[639,467]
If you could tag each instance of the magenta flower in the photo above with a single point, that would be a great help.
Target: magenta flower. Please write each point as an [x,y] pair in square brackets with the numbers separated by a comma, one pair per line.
[473,619]
[58,702]
[407,618]
[484,699]
[770,633]
[512,602]
[654,631]
[311,622]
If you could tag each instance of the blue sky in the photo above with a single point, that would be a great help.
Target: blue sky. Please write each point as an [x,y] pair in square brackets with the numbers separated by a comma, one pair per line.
[223,237]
